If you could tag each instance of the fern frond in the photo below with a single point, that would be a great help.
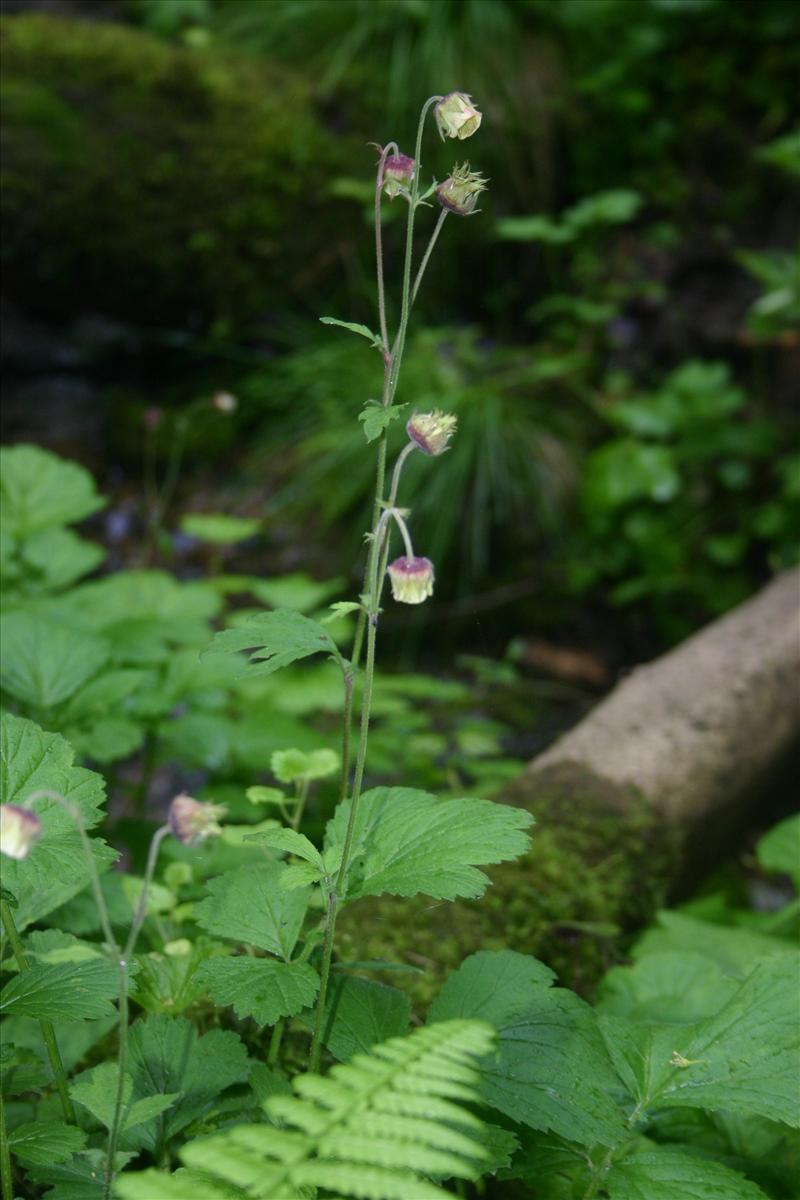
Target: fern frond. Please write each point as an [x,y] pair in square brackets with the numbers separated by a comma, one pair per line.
[380,1127]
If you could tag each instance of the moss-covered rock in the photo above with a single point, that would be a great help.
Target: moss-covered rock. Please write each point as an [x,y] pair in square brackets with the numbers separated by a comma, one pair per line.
[597,869]
[157,183]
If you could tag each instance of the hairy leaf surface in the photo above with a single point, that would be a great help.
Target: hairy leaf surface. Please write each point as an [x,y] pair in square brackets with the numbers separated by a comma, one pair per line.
[249,905]
[260,988]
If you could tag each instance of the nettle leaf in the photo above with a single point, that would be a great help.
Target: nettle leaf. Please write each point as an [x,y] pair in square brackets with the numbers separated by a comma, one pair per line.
[260,988]
[249,905]
[664,1174]
[744,1059]
[275,639]
[38,489]
[55,869]
[375,417]
[359,1013]
[42,1142]
[408,841]
[62,991]
[354,327]
[43,663]
[552,1070]
[166,1055]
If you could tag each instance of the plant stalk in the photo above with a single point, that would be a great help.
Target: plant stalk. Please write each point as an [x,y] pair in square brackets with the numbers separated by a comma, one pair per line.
[48,1033]
[434,236]
[6,1182]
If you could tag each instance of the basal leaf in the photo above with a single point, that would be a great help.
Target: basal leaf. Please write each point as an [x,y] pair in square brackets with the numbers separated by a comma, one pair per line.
[359,1013]
[665,1174]
[275,639]
[407,841]
[167,1055]
[249,905]
[552,1070]
[43,663]
[45,1141]
[38,489]
[55,869]
[61,991]
[260,988]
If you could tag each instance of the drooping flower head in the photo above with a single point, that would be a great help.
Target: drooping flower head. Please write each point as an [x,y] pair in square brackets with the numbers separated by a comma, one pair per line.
[192,821]
[411,579]
[459,192]
[398,175]
[431,432]
[20,829]
[456,116]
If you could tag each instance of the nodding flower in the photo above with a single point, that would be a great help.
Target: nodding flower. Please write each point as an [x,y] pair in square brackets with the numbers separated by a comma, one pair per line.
[431,432]
[20,830]
[456,116]
[459,192]
[192,821]
[398,175]
[411,579]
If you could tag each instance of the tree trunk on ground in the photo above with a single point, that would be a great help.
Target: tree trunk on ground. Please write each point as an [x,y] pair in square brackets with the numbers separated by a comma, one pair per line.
[658,777]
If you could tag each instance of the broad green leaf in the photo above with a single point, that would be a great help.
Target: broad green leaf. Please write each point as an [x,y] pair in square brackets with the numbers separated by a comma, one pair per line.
[105,693]
[43,663]
[291,841]
[38,489]
[75,1038]
[249,905]
[260,988]
[745,1058]
[45,1141]
[779,850]
[62,991]
[96,1090]
[552,1070]
[59,557]
[354,327]
[667,988]
[55,869]
[275,639]
[219,528]
[375,418]
[166,1055]
[665,1174]
[107,740]
[734,949]
[291,766]
[407,841]
[359,1013]
[297,591]
[80,1178]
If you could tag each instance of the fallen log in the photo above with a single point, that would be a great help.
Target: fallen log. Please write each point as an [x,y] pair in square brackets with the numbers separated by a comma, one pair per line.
[659,776]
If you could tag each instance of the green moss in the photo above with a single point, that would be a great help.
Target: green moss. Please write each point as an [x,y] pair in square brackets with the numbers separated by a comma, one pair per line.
[597,869]
[156,182]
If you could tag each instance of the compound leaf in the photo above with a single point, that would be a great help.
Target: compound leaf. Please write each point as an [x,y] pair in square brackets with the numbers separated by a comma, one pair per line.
[275,639]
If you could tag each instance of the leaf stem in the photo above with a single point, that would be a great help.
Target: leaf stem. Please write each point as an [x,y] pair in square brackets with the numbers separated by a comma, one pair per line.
[48,1033]
[5,1156]
[327,955]
[122,1062]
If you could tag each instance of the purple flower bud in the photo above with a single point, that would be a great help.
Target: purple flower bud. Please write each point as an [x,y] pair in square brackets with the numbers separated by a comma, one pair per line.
[431,432]
[459,192]
[20,829]
[456,116]
[398,175]
[192,821]
[411,579]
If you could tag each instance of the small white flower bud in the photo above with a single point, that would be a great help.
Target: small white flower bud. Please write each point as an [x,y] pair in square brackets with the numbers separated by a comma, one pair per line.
[411,579]
[20,829]
[456,116]
[192,821]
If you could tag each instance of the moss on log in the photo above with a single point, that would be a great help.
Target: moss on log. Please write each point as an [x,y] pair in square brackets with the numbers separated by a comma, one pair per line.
[158,183]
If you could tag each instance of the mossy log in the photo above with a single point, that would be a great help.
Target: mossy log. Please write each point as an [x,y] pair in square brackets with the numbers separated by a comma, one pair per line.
[157,183]
[679,749]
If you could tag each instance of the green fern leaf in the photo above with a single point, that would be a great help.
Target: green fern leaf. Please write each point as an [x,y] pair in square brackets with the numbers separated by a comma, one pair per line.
[381,1127]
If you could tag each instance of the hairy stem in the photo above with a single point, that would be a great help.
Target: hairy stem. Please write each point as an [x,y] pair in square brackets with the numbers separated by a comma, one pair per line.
[437,230]
[48,1033]
[379,244]
[5,1156]
[347,722]
[122,1062]
[141,904]
[327,955]
[275,1043]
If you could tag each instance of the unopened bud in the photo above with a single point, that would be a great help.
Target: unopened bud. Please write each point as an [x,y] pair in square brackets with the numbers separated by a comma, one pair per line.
[459,192]
[411,579]
[431,432]
[456,116]
[20,830]
[398,175]
[224,402]
[192,821]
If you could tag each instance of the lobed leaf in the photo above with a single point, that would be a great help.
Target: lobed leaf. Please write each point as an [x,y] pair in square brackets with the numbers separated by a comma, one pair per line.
[260,988]
[275,639]
[249,905]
